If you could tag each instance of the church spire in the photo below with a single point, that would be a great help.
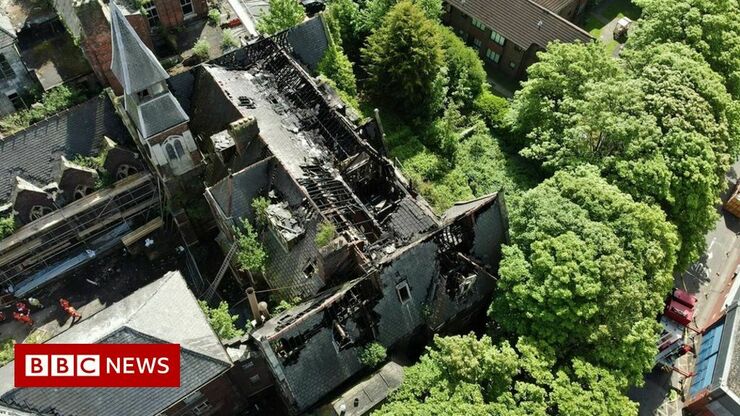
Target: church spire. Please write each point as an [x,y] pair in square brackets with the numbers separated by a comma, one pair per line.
[133,64]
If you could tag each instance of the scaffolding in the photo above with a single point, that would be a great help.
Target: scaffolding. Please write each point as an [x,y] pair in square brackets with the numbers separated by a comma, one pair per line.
[68,237]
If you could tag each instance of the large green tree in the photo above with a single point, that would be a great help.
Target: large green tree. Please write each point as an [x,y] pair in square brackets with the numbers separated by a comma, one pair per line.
[336,66]
[711,27]
[464,69]
[587,271]
[282,14]
[463,375]
[660,125]
[343,19]
[404,61]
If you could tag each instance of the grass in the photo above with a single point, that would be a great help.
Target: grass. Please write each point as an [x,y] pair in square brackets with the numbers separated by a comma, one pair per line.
[593,25]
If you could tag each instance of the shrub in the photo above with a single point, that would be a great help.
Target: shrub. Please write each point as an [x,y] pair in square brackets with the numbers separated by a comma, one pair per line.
[284,305]
[336,66]
[492,108]
[6,351]
[221,320]
[7,226]
[372,354]
[52,102]
[251,255]
[229,41]
[200,50]
[259,205]
[214,17]
[327,232]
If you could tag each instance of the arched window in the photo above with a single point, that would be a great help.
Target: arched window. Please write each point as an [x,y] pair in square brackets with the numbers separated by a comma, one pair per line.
[81,191]
[170,151]
[38,211]
[179,149]
[125,170]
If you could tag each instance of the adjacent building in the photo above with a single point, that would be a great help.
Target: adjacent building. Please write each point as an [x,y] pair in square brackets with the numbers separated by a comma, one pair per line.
[16,82]
[715,386]
[509,33]
[164,311]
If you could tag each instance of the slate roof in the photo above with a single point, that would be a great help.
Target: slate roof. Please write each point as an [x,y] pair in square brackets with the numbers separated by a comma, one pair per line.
[162,311]
[32,153]
[519,21]
[196,370]
[133,64]
[159,114]
[6,25]
[309,41]
[555,5]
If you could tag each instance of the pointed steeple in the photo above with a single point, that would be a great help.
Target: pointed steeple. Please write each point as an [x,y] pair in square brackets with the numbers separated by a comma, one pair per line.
[133,63]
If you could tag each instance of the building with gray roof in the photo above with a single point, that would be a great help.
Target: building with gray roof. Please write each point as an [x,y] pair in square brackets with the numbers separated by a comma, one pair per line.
[164,311]
[715,385]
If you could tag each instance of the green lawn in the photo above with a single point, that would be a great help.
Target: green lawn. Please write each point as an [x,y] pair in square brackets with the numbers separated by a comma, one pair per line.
[593,25]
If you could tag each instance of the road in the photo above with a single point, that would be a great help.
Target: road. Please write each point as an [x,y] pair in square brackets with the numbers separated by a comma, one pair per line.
[706,279]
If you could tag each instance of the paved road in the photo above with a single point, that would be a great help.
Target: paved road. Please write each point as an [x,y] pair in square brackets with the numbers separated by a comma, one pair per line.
[706,279]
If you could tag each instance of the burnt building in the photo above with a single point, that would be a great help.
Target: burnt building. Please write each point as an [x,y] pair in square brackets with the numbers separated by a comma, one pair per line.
[508,33]
[391,269]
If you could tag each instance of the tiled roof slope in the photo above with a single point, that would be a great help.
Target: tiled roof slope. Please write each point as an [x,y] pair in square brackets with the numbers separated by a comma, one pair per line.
[196,370]
[554,5]
[519,21]
[134,65]
[32,153]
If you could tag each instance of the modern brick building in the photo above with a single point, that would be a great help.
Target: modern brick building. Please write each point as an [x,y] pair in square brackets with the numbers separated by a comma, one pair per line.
[509,33]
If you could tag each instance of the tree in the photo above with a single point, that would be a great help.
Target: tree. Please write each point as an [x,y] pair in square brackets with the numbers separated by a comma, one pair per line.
[587,271]
[464,69]
[325,234]
[372,14]
[221,320]
[463,375]
[283,14]
[711,27]
[372,354]
[662,129]
[251,255]
[342,18]
[492,108]
[336,66]
[260,205]
[7,226]
[404,62]
[554,81]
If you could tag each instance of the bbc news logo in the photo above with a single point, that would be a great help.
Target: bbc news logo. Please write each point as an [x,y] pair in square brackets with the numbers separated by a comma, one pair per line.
[97,365]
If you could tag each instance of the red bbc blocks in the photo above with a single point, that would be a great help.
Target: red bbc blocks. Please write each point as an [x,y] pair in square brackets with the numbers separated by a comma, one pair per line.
[97,365]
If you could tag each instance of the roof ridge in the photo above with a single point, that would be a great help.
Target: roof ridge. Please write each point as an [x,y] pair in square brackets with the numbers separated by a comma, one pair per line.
[561,18]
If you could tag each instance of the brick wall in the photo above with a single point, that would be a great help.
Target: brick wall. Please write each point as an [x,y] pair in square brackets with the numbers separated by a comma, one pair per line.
[95,39]
[171,11]
[514,58]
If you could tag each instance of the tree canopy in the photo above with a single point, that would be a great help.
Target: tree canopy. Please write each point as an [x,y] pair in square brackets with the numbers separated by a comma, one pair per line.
[463,375]
[711,27]
[404,61]
[659,124]
[282,14]
[586,272]
[336,66]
